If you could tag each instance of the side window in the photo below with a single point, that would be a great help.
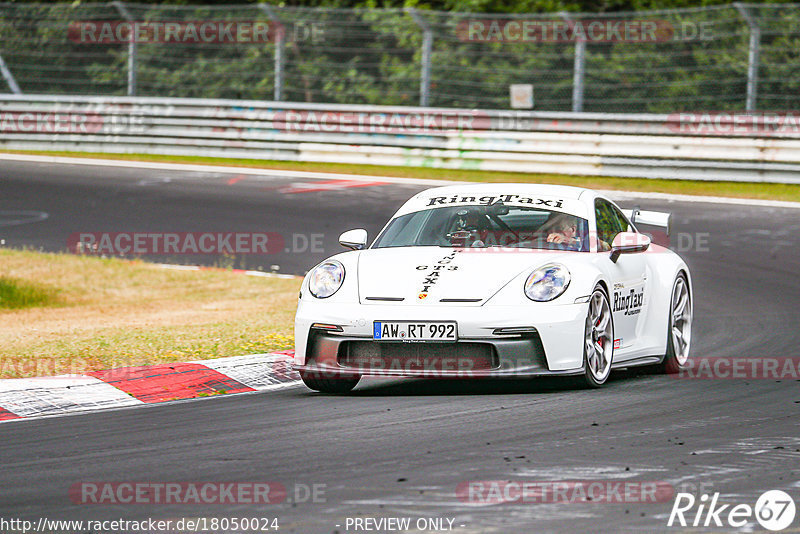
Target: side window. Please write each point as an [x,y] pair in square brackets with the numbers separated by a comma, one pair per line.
[621,220]
[403,230]
[610,222]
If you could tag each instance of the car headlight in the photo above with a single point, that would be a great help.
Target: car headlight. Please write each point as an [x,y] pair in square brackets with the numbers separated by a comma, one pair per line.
[326,279]
[547,282]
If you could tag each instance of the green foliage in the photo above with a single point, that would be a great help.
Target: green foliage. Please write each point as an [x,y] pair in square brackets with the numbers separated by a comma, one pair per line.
[16,294]
[474,6]
[374,56]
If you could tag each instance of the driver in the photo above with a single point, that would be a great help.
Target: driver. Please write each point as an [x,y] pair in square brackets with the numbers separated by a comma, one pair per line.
[468,219]
[564,232]
[466,228]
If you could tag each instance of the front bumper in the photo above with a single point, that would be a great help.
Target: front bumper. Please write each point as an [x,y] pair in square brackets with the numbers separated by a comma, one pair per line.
[548,340]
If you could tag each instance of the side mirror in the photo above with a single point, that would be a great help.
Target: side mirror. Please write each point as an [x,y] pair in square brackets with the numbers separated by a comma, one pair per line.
[628,243]
[354,239]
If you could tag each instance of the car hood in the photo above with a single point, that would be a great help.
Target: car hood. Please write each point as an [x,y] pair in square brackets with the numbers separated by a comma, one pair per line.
[442,275]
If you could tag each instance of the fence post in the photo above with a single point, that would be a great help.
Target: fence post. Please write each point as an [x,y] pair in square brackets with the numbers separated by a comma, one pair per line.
[577,69]
[123,11]
[425,66]
[754,53]
[12,83]
[280,35]
[577,88]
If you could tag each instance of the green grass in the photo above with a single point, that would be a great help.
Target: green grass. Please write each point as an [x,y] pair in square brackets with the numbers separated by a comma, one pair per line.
[16,294]
[787,192]
[110,313]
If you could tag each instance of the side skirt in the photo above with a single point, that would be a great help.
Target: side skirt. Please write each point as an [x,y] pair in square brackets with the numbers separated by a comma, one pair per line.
[637,362]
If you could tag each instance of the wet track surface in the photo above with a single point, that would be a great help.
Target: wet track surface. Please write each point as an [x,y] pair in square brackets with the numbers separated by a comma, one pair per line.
[400,448]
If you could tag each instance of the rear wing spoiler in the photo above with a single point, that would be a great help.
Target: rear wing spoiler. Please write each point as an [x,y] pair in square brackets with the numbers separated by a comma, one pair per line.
[652,218]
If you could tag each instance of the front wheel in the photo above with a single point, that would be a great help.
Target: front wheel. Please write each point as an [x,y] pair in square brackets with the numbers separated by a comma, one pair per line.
[327,383]
[598,345]
[679,328]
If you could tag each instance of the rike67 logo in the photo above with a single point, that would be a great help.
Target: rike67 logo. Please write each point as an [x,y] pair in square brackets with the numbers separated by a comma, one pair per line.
[774,510]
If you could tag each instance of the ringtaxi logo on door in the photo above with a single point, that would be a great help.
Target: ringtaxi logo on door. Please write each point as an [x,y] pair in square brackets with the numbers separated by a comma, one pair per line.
[774,510]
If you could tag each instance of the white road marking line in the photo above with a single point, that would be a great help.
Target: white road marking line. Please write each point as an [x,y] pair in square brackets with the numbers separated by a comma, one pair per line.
[258,173]
[18,217]
[327,185]
[626,195]
[272,174]
[261,274]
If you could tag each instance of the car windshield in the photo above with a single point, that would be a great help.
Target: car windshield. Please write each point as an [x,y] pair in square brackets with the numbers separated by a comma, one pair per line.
[496,225]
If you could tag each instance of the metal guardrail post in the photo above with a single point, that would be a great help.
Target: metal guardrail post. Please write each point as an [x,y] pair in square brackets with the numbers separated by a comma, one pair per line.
[12,83]
[123,11]
[425,66]
[754,54]
[280,37]
[578,70]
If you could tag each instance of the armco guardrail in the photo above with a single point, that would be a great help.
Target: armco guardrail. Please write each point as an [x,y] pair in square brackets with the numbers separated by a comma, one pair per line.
[683,146]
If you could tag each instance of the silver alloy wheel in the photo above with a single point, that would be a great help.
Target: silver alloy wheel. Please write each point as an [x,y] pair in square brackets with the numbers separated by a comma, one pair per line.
[599,337]
[681,320]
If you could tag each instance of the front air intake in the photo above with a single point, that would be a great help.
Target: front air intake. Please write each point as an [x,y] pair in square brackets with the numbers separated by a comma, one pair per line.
[462,356]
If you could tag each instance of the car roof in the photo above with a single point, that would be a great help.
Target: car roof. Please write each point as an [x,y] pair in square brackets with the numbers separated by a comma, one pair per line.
[564,191]
[554,197]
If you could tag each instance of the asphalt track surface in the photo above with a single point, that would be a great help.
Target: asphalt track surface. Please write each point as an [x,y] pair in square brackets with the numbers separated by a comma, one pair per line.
[399,448]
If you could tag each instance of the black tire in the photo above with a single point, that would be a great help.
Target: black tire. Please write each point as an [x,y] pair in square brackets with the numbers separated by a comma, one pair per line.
[671,364]
[325,383]
[589,378]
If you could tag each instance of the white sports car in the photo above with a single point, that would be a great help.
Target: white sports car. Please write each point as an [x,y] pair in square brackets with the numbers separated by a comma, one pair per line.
[496,280]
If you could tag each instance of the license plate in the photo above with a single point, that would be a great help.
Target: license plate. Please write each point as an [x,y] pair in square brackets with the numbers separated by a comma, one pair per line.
[414,331]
